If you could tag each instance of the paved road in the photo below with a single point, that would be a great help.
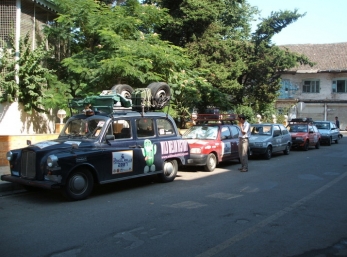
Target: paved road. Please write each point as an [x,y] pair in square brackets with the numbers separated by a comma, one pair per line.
[289,206]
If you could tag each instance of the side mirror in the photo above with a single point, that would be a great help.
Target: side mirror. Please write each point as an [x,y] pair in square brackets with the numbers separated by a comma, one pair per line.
[110,137]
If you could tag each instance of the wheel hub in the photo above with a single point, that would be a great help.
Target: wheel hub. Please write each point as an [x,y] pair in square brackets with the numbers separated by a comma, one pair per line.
[78,183]
[168,168]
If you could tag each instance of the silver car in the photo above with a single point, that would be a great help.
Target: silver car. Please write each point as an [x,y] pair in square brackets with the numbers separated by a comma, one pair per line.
[268,138]
[328,130]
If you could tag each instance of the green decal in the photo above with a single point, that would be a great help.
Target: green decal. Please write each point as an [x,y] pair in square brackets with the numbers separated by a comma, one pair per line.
[148,151]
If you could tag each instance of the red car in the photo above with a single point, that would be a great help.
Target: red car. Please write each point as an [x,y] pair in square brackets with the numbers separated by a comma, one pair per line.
[304,133]
[212,143]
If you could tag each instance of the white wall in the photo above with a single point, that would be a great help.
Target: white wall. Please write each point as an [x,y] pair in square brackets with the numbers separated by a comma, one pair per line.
[15,121]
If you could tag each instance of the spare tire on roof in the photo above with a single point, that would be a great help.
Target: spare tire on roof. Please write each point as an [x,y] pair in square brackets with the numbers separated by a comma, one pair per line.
[161,93]
[124,90]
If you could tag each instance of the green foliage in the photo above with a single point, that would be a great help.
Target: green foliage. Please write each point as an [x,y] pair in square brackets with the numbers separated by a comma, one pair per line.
[244,66]
[204,49]
[25,77]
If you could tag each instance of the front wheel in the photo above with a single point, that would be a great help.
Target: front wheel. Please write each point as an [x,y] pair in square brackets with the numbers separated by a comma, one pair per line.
[287,150]
[306,145]
[211,162]
[337,140]
[79,185]
[330,140]
[317,144]
[169,171]
[268,153]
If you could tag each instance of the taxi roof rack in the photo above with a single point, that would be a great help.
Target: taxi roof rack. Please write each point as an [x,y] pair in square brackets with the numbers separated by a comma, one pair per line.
[214,118]
[109,101]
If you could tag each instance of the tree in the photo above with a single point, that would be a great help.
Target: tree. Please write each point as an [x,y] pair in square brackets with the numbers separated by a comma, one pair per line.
[116,44]
[25,78]
[245,67]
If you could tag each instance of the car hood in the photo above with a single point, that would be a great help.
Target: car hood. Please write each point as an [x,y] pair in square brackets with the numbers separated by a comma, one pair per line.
[254,139]
[201,143]
[324,131]
[60,144]
[298,134]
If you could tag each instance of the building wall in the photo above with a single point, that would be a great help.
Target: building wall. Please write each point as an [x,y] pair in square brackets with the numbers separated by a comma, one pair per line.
[324,105]
[15,121]
[19,141]
[34,15]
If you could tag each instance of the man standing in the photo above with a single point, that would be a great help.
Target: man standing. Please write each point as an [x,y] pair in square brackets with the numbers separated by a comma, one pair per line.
[337,122]
[244,134]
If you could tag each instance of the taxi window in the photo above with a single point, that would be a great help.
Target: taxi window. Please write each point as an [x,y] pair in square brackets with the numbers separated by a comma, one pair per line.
[225,133]
[145,127]
[277,131]
[165,127]
[234,132]
[121,129]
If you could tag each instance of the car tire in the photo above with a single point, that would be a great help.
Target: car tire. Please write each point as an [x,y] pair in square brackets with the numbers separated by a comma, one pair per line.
[306,145]
[268,153]
[79,185]
[160,92]
[170,169]
[124,90]
[287,150]
[337,140]
[317,146]
[211,162]
[330,140]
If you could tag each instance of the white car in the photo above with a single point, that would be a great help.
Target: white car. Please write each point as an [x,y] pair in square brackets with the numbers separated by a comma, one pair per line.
[329,131]
[267,138]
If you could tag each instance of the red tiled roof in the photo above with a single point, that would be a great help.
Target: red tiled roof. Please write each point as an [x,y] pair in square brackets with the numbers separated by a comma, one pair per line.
[328,57]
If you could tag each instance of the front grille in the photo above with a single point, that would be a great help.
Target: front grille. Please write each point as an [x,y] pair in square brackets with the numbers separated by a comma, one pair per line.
[28,169]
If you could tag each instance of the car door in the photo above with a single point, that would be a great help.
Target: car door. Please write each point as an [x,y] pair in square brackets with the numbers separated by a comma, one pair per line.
[235,131]
[313,135]
[334,131]
[125,153]
[286,137]
[276,139]
[225,137]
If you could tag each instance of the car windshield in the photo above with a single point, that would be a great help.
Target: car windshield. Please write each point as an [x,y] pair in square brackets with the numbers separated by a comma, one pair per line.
[78,127]
[261,130]
[322,125]
[201,132]
[297,128]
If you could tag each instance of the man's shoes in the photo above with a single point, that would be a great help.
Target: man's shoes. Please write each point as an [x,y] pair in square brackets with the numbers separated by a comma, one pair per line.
[243,170]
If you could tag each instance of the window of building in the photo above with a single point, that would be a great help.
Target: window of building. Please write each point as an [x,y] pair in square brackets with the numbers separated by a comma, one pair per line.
[339,86]
[311,86]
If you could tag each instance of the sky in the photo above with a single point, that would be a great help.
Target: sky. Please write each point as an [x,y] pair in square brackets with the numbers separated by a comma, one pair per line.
[325,20]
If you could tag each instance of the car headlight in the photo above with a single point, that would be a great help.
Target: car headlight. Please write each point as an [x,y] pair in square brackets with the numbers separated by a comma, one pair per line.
[52,161]
[195,150]
[9,155]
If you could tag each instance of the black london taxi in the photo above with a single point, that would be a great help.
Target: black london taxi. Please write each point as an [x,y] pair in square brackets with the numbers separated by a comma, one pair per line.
[105,143]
